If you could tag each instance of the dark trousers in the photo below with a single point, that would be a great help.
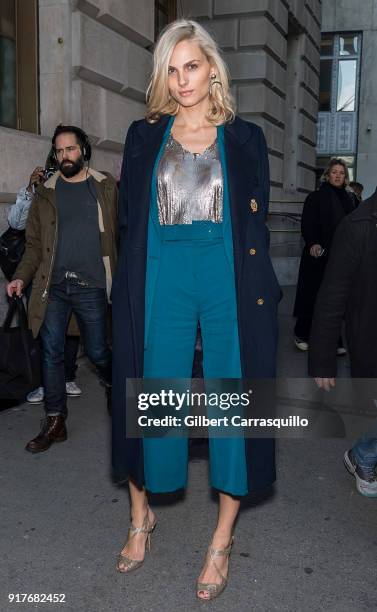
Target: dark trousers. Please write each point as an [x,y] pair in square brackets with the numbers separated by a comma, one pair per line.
[90,308]
[303,327]
[71,349]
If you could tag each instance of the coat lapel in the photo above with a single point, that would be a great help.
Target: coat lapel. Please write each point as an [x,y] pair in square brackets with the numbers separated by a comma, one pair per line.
[147,143]
[227,220]
[154,230]
[242,178]
[153,198]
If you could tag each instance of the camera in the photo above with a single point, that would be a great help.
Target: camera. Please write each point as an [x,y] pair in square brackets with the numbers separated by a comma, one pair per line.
[49,172]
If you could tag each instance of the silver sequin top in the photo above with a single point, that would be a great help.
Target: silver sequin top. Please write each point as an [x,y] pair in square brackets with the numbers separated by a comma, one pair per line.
[189,185]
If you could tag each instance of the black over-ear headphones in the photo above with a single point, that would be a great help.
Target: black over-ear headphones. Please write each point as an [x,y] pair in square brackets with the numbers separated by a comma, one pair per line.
[82,138]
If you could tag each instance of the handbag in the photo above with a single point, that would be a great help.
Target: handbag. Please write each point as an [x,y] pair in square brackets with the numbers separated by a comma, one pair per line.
[12,247]
[20,355]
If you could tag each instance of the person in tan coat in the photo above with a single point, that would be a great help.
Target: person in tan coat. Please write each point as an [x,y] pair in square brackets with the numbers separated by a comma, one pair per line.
[17,219]
[70,256]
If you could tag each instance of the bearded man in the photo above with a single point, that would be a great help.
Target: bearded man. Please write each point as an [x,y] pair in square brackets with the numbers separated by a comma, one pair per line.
[70,258]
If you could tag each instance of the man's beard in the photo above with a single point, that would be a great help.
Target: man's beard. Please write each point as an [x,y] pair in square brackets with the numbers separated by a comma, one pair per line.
[70,168]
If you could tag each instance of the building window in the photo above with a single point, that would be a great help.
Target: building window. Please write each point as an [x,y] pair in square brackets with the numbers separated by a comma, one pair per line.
[338,98]
[165,11]
[346,85]
[18,65]
[348,45]
[325,81]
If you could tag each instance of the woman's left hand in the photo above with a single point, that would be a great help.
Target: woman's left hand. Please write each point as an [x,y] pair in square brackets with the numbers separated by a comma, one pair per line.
[325,383]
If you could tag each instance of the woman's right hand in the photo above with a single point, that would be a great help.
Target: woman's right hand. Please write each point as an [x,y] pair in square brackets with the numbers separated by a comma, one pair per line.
[15,286]
[316,250]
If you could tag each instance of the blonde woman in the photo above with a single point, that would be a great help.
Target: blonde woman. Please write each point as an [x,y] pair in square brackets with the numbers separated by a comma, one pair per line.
[323,210]
[194,248]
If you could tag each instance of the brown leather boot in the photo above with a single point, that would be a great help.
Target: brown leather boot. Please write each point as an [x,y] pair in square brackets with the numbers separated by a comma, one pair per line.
[53,430]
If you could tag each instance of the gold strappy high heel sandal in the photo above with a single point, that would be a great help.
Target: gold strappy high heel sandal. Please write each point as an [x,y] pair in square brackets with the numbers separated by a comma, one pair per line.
[128,564]
[213,589]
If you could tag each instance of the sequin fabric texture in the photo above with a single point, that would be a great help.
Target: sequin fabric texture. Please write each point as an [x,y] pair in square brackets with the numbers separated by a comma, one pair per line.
[189,185]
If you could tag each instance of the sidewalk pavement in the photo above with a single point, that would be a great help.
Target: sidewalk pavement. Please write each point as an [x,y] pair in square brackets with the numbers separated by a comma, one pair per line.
[308,545]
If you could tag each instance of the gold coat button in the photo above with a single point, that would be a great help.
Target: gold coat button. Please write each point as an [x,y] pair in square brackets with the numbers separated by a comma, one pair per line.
[253,205]
[252,251]
[260,301]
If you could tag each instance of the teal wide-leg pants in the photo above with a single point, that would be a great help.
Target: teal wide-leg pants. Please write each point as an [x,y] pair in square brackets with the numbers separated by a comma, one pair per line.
[195,283]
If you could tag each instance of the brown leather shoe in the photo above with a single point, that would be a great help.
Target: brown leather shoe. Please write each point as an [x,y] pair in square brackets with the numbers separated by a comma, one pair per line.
[53,430]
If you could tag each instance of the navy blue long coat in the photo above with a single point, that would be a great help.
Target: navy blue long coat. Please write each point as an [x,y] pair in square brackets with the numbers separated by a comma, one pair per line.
[257,289]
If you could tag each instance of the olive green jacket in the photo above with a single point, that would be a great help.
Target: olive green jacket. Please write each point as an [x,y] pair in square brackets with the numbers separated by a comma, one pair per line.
[41,236]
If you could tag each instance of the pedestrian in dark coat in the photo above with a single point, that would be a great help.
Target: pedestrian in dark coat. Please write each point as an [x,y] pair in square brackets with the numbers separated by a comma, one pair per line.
[322,212]
[240,149]
[349,291]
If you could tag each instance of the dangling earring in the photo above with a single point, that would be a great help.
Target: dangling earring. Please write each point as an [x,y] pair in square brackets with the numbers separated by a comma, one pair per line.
[213,82]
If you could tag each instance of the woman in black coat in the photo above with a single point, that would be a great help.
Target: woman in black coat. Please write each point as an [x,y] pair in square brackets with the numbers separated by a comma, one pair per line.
[323,210]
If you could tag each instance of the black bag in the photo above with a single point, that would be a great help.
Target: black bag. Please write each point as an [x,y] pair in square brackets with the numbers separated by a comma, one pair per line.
[12,247]
[20,355]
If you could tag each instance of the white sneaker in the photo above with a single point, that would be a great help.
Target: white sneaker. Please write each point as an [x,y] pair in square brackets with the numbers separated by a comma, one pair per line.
[72,389]
[341,351]
[36,397]
[303,346]
[366,480]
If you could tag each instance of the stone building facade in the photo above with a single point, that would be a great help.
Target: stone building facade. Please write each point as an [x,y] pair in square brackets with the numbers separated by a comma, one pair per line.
[93,69]
[94,58]
[352,26]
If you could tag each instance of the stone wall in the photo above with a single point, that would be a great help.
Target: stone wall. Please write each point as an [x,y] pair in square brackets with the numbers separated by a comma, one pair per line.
[100,66]
[341,16]
[94,66]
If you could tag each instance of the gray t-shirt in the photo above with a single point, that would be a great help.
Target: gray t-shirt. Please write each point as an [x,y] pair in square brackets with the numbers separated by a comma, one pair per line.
[78,246]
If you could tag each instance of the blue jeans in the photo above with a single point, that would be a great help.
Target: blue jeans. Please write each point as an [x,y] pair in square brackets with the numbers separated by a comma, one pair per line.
[72,344]
[70,355]
[365,448]
[365,453]
[90,308]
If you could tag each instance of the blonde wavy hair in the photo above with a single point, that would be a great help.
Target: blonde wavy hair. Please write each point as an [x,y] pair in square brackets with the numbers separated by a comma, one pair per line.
[336,161]
[159,101]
